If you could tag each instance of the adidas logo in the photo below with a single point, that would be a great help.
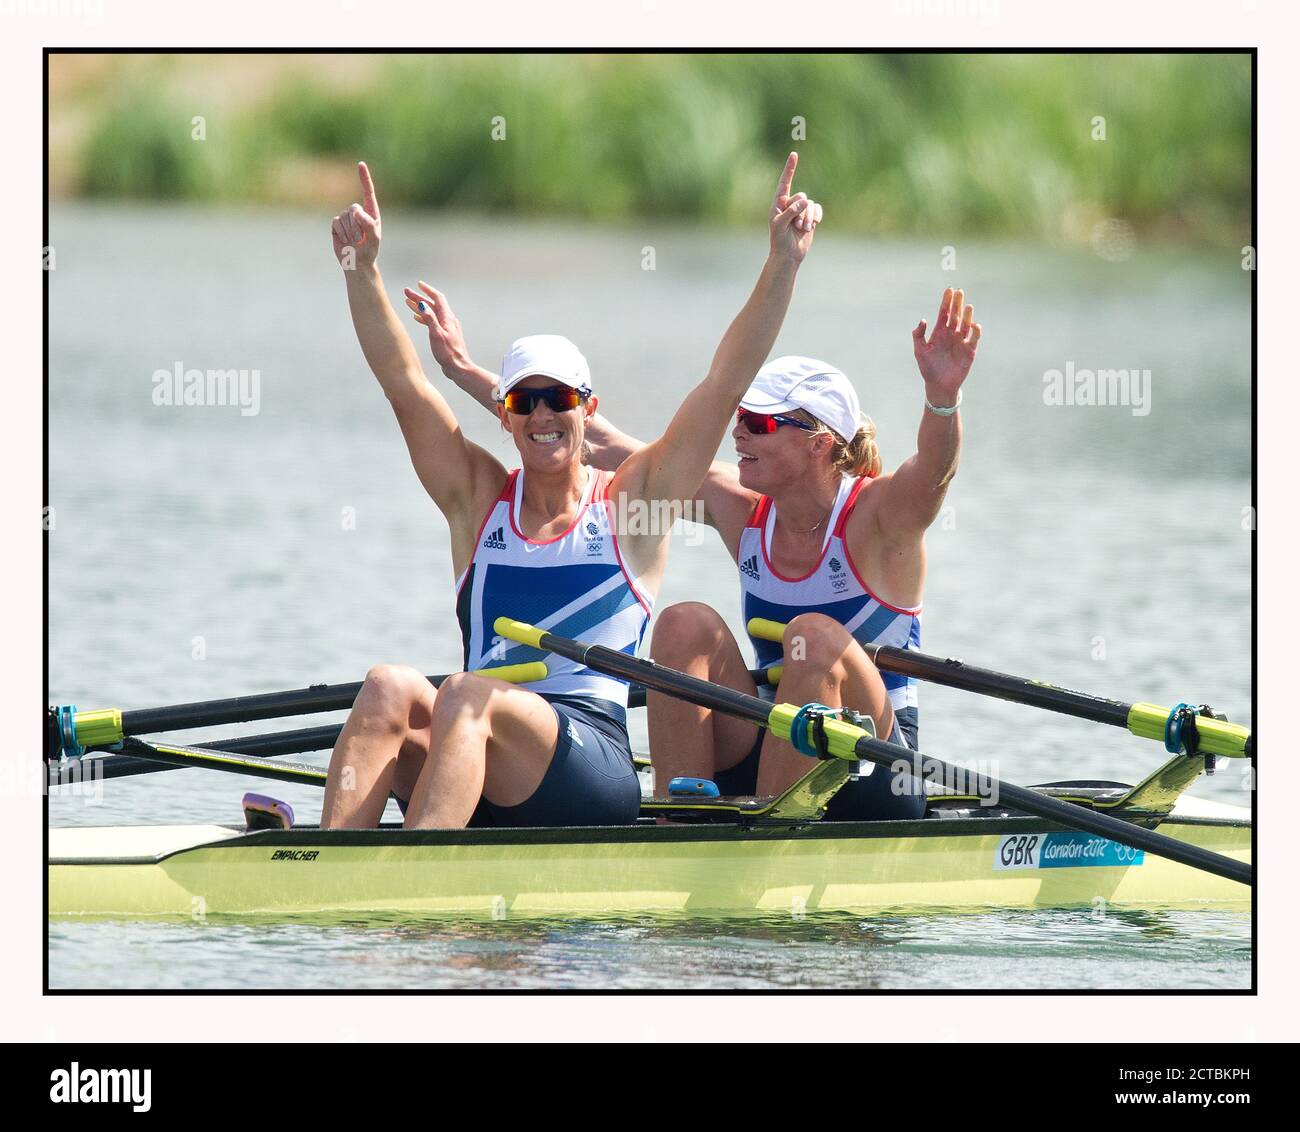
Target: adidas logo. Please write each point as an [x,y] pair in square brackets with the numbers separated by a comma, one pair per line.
[836,565]
[496,540]
[750,567]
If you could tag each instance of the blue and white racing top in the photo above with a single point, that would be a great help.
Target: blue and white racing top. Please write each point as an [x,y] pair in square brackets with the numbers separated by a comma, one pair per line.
[833,587]
[575,585]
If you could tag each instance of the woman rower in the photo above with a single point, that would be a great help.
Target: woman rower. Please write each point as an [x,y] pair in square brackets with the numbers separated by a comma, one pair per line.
[824,543]
[543,544]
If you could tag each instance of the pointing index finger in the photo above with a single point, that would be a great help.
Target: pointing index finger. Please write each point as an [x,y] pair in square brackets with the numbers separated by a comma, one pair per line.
[787,175]
[371,202]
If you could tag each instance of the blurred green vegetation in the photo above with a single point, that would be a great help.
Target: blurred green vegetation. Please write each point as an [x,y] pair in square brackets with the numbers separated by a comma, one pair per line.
[917,144]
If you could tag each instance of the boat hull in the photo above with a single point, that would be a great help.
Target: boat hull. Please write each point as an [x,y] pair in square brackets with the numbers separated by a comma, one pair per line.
[927,865]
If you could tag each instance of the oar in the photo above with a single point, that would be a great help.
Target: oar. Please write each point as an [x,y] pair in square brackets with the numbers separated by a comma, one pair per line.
[230,757]
[636,692]
[111,764]
[69,731]
[846,741]
[207,759]
[1147,721]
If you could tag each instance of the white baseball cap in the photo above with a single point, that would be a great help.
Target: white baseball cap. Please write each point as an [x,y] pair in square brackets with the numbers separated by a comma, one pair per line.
[789,383]
[545,355]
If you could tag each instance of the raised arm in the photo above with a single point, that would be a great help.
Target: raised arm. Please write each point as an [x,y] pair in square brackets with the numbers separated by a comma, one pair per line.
[453,471]
[915,492]
[672,467]
[607,446]
[722,502]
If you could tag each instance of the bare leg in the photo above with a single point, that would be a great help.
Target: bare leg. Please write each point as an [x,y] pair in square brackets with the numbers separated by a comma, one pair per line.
[387,730]
[823,664]
[489,739]
[686,740]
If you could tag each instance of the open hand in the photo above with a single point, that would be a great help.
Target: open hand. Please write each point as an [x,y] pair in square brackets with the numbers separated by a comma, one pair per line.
[446,339]
[946,358]
[793,218]
[357,231]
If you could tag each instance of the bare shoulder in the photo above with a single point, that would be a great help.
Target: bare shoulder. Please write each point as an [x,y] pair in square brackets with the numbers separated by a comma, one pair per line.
[871,494]
[627,481]
[890,558]
[484,483]
[727,505]
[487,481]
[867,520]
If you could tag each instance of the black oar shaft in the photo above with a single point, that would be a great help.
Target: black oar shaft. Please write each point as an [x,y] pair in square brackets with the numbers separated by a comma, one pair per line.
[656,678]
[1205,732]
[208,759]
[267,745]
[242,709]
[958,674]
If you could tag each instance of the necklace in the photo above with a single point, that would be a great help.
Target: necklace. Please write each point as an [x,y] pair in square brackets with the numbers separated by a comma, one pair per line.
[796,531]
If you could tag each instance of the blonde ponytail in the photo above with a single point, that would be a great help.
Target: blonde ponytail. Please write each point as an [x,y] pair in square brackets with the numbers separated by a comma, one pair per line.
[857,457]
[861,455]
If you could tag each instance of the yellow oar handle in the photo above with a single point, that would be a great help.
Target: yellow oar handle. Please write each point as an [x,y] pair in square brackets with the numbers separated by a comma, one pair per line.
[519,631]
[762,629]
[102,727]
[1216,736]
[516,673]
[765,630]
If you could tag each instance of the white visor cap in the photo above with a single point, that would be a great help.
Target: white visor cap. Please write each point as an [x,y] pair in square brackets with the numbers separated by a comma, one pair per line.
[790,383]
[543,355]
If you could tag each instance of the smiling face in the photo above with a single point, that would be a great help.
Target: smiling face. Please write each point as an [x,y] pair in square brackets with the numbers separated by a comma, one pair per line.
[778,462]
[548,441]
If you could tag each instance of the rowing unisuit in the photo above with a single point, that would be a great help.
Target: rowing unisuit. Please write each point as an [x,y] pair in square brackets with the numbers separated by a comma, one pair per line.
[833,588]
[575,584]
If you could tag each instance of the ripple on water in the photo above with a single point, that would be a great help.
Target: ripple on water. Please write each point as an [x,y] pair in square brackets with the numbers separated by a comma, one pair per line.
[1041,950]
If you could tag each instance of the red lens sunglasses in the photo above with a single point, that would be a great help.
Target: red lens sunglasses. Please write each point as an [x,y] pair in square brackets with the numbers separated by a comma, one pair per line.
[764,424]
